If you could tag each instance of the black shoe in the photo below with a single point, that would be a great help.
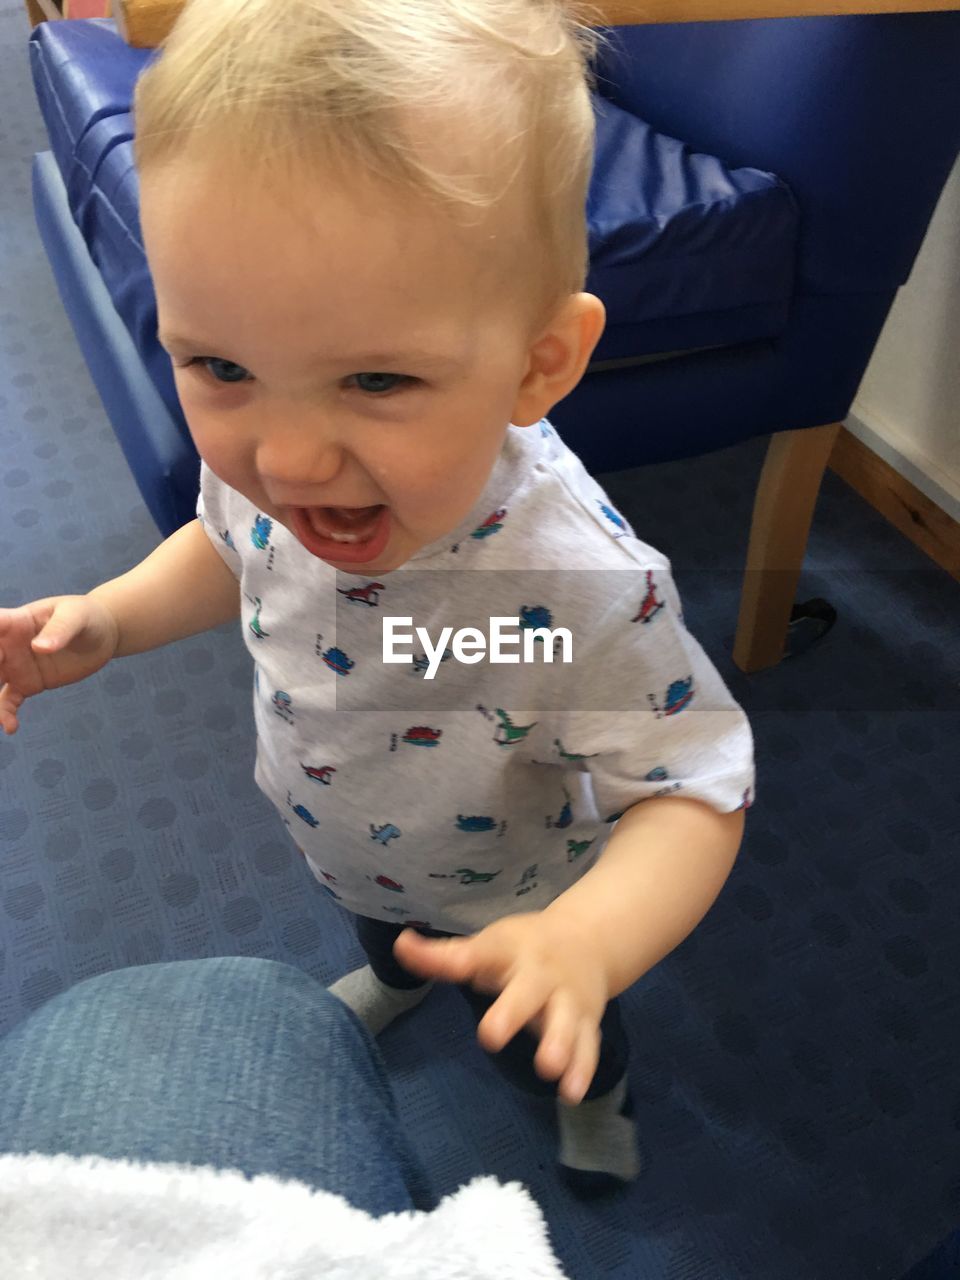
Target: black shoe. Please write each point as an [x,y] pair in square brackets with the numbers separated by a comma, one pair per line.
[809,623]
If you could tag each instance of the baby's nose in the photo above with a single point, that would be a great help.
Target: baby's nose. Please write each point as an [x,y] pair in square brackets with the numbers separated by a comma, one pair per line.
[299,454]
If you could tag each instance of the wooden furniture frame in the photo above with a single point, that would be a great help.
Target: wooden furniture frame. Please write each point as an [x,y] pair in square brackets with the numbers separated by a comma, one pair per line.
[43,10]
[144,23]
[796,460]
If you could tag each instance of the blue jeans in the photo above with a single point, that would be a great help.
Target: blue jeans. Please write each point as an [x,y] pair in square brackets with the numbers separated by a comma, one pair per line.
[233,1062]
[515,1059]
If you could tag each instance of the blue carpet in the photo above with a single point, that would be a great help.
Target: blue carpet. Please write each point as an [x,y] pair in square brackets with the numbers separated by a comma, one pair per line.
[794,1061]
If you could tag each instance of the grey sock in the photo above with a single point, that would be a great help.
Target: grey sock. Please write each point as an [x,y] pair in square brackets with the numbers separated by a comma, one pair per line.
[374,1003]
[594,1136]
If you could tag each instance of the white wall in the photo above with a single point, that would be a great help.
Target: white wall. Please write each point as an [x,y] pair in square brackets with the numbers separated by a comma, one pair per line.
[908,406]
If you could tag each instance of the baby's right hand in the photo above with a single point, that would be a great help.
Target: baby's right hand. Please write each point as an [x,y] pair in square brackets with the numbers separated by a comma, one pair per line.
[49,643]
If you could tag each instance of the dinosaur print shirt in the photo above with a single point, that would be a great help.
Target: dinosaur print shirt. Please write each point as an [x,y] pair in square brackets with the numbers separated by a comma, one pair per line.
[444,788]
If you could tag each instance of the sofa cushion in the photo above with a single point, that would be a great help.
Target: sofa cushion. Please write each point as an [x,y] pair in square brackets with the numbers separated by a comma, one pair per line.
[685,252]
[83,72]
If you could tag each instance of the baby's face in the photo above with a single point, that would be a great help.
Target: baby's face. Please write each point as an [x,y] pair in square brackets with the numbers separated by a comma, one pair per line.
[336,350]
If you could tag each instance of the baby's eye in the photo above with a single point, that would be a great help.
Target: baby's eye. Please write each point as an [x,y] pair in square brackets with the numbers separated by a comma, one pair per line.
[374,383]
[220,370]
[226,371]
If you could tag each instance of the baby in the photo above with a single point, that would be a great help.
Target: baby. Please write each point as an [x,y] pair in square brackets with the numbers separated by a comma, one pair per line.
[365,225]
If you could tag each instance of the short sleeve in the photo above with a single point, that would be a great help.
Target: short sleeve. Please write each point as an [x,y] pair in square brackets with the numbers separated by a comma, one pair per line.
[653,715]
[212,512]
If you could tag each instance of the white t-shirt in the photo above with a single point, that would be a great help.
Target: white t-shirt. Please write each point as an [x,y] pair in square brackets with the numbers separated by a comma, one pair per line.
[450,794]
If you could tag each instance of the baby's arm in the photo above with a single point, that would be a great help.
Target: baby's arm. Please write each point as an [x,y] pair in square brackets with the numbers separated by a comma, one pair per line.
[664,864]
[182,587]
[662,869]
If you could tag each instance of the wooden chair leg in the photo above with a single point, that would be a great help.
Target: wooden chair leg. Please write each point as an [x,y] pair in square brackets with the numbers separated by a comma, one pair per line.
[782,512]
[35,13]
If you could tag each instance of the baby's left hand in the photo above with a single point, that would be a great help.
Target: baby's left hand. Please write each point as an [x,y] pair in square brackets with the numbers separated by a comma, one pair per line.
[548,981]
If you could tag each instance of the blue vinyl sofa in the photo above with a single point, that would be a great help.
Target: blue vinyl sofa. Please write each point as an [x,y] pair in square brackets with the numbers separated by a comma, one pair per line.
[761,190]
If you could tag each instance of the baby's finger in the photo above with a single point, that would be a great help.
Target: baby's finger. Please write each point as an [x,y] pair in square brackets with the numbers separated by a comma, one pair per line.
[586,1055]
[557,1037]
[10,699]
[447,959]
[521,1000]
[9,702]
[68,619]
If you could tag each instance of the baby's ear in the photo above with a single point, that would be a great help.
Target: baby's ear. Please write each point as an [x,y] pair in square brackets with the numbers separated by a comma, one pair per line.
[559,357]
[591,315]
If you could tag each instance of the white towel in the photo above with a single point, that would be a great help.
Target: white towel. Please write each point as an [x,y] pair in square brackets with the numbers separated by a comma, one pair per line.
[93,1219]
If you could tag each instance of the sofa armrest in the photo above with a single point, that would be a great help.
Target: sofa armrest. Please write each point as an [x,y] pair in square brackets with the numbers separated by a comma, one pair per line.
[144,23]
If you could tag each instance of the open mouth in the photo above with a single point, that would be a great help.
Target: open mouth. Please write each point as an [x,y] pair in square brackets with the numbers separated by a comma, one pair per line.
[344,524]
[349,535]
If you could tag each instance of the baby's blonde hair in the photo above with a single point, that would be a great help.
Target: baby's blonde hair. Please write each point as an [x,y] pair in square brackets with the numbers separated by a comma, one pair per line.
[296,85]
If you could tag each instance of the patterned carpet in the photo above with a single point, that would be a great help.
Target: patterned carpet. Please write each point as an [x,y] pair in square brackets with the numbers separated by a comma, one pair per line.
[794,1062]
